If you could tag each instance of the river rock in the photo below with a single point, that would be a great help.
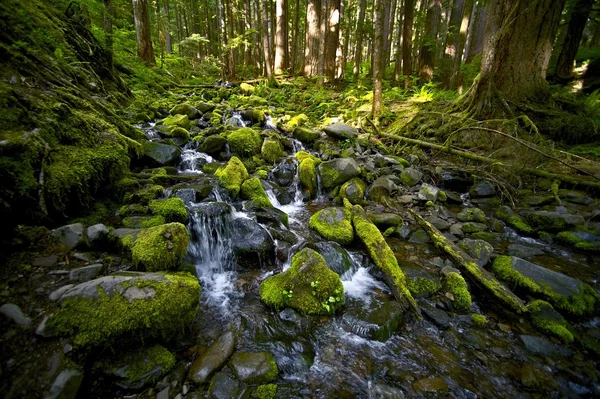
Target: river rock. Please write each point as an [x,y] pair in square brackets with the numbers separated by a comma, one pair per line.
[473,227]
[254,368]
[213,359]
[354,190]
[341,131]
[159,154]
[544,347]
[285,172]
[193,193]
[86,273]
[427,192]
[471,215]
[213,145]
[66,385]
[272,216]
[384,220]
[205,107]
[439,223]
[383,186]
[253,246]
[420,236]
[335,256]
[524,251]
[454,180]
[480,250]
[553,221]
[333,224]
[431,385]
[224,385]
[186,109]
[439,317]
[378,321]
[338,171]
[97,233]
[482,189]
[14,313]
[71,235]
[411,176]
[107,310]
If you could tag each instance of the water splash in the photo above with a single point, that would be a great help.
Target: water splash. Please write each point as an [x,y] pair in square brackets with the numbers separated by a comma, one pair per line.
[192,161]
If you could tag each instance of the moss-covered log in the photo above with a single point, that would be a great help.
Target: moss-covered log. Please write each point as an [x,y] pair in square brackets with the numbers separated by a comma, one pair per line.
[473,271]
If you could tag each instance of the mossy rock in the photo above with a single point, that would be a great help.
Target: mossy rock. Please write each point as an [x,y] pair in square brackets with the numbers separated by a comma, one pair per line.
[112,310]
[245,142]
[549,321]
[246,88]
[147,194]
[253,190]
[265,391]
[505,214]
[142,222]
[302,155]
[456,285]
[422,286]
[158,248]
[308,286]
[296,121]
[133,210]
[334,224]
[563,292]
[582,241]
[471,215]
[479,320]
[185,109]
[254,367]
[172,209]
[305,135]
[307,173]
[177,120]
[354,190]
[232,176]
[272,150]
[338,171]
[181,133]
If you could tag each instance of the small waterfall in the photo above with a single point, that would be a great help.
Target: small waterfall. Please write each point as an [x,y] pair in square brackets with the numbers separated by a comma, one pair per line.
[269,124]
[149,130]
[297,145]
[192,160]
[236,120]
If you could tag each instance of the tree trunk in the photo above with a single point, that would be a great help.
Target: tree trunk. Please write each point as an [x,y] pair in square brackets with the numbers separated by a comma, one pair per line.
[455,79]
[360,24]
[296,37]
[429,43]
[265,38]
[167,27]
[388,34]
[143,33]
[108,32]
[450,49]
[342,50]
[516,53]
[398,55]
[312,45]
[230,55]
[195,18]
[579,16]
[378,54]
[332,37]
[409,12]
[477,32]
[281,35]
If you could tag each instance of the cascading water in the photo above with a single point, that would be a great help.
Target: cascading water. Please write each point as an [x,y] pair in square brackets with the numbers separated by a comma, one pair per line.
[149,130]
[192,160]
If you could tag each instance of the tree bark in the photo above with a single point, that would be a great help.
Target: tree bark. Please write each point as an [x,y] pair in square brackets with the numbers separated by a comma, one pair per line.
[141,18]
[332,38]
[450,49]
[477,32]
[296,37]
[409,12]
[579,16]
[360,24]
[455,79]
[230,54]
[108,32]
[281,35]
[265,39]
[167,27]
[312,45]
[516,53]
[429,43]
[378,54]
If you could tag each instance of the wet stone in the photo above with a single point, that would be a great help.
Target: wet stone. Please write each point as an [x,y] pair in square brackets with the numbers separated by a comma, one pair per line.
[427,192]
[97,232]
[335,256]
[411,176]
[544,347]
[86,273]
[437,316]
[439,223]
[15,314]
[224,385]
[471,215]
[524,251]
[378,320]
[430,385]
[473,227]
[419,237]
[211,360]
[479,250]
[72,235]
[340,131]
[254,368]
[66,385]
[482,189]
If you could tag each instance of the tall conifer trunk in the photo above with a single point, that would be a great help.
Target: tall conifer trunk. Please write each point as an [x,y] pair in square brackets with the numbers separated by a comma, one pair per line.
[579,16]
[141,18]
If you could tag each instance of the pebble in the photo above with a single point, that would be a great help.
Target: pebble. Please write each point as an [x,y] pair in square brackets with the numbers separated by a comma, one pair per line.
[14,313]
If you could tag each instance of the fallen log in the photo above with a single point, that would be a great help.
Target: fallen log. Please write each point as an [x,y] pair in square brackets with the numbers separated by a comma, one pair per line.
[472,270]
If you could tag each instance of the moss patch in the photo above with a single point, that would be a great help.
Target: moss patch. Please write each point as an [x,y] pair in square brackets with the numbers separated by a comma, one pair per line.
[252,189]
[457,286]
[546,319]
[172,209]
[514,221]
[159,248]
[308,286]
[308,176]
[479,320]
[265,391]
[232,176]
[422,286]
[572,240]
[245,142]
[272,150]
[334,224]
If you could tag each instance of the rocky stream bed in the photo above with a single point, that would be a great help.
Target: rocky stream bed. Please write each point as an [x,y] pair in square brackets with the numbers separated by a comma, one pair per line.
[248,259]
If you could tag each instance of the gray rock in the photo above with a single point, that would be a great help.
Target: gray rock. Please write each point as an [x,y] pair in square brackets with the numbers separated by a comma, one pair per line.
[186,109]
[411,176]
[419,237]
[71,235]
[213,359]
[471,215]
[97,232]
[338,171]
[449,269]
[473,227]
[158,154]
[382,391]
[48,261]
[553,221]
[55,295]
[384,220]
[85,273]
[205,107]
[480,250]
[427,192]
[41,329]
[482,189]
[14,313]
[335,256]
[254,367]
[456,229]
[544,347]
[439,223]
[437,316]
[234,121]
[341,131]
[253,246]
[524,251]
[66,385]
[224,385]
[109,284]
[383,186]
[164,394]
[377,321]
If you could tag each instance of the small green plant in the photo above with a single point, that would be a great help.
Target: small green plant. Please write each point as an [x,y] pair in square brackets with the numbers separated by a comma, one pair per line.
[287,294]
[326,304]
[345,144]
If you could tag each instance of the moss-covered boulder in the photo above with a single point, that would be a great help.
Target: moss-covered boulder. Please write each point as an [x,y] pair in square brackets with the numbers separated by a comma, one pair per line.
[245,142]
[354,190]
[252,189]
[305,135]
[185,109]
[507,215]
[159,154]
[546,319]
[298,120]
[232,176]
[142,222]
[180,135]
[302,155]
[213,145]
[579,240]
[564,292]
[553,221]
[334,224]
[307,173]
[172,209]
[255,116]
[254,367]
[158,248]
[308,286]
[177,120]
[383,187]
[246,88]
[272,150]
[471,215]
[456,286]
[110,310]
[338,171]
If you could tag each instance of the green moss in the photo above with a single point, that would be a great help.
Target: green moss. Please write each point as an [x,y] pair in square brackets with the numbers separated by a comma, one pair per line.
[578,304]
[245,142]
[422,286]
[302,155]
[545,222]
[147,194]
[144,361]
[266,391]
[246,88]
[272,150]
[546,319]
[159,248]
[514,221]
[308,286]
[180,132]
[262,174]
[307,173]
[382,255]
[298,120]
[329,176]
[253,190]
[172,209]
[479,320]
[177,120]
[334,224]
[136,222]
[109,319]
[457,286]
[305,135]
[232,176]
[570,239]
[357,193]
